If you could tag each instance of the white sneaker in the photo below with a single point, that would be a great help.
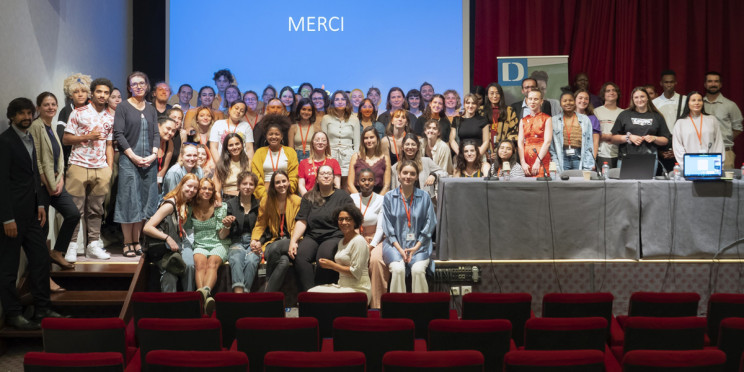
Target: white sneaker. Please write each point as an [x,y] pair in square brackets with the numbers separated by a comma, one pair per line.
[95,250]
[71,255]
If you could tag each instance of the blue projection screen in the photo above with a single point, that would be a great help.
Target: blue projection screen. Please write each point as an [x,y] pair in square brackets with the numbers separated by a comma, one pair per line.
[336,44]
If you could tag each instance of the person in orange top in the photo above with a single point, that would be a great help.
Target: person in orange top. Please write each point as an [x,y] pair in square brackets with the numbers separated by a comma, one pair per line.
[533,142]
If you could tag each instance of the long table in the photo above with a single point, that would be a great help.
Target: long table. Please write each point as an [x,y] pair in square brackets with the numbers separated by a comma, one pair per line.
[578,219]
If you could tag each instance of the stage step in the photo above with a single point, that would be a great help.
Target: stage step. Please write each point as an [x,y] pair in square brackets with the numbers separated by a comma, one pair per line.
[99,270]
[88,298]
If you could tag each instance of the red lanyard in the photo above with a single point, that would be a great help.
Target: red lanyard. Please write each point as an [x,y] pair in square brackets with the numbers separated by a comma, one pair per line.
[253,125]
[699,133]
[162,159]
[361,228]
[304,139]
[408,210]
[271,157]
[228,125]
[281,226]
[395,146]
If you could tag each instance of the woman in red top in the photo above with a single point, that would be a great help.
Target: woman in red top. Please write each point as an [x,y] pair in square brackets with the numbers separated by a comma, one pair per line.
[320,154]
[533,142]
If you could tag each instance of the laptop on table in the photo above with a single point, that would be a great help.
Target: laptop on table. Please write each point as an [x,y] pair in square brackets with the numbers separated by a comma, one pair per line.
[638,167]
[703,167]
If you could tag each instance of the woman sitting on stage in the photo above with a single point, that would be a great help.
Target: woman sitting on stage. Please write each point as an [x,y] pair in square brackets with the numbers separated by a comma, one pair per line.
[506,164]
[429,173]
[242,213]
[370,204]
[470,161]
[409,222]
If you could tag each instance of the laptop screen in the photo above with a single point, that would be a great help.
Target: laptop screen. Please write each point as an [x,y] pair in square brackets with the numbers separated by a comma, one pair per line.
[703,165]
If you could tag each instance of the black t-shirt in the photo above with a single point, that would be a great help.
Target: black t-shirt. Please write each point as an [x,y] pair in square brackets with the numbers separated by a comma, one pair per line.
[472,128]
[640,124]
[320,223]
[444,128]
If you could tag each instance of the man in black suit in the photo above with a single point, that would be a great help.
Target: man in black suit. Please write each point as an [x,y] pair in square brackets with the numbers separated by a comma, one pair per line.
[22,214]
[521,108]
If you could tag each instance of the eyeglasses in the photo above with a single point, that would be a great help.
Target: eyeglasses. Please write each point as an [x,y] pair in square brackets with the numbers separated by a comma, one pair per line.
[138,84]
[345,219]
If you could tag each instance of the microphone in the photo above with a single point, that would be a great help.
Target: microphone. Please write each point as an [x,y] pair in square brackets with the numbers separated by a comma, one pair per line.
[490,176]
[666,174]
[546,176]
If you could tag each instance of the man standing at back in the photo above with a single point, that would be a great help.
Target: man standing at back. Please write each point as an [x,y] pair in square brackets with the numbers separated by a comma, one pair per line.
[22,214]
[727,113]
[671,105]
[90,132]
[521,108]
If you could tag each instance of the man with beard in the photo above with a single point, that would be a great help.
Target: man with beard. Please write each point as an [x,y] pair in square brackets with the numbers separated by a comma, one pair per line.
[727,113]
[22,214]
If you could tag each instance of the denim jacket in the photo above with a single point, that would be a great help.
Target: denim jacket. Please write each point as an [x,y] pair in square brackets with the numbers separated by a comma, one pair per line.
[587,142]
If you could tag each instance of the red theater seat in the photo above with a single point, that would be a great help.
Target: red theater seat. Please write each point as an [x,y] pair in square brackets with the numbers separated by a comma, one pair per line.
[419,307]
[186,361]
[72,362]
[655,333]
[451,360]
[554,361]
[85,335]
[165,305]
[257,336]
[373,337]
[328,306]
[679,361]
[491,337]
[339,361]
[731,341]
[200,334]
[232,306]
[515,307]
[720,307]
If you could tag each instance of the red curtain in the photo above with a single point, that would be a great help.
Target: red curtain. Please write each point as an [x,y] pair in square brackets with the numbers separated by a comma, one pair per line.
[626,41]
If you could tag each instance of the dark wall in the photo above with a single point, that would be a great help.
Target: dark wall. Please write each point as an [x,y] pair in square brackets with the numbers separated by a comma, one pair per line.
[148,54]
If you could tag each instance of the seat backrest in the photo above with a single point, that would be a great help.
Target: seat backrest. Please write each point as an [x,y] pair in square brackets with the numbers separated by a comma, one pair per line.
[232,306]
[73,362]
[328,306]
[180,360]
[373,336]
[492,337]
[337,361]
[657,333]
[720,307]
[84,335]
[515,307]
[165,305]
[448,360]
[419,307]
[662,304]
[677,360]
[258,336]
[201,334]
[554,361]
[731,341]
[566,334]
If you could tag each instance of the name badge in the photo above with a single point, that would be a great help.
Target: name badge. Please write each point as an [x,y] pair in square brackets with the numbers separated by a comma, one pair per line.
[160,179]
[570,151]
[410,237]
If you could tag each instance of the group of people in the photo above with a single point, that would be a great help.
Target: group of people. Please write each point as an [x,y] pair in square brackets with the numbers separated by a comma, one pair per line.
[321,181]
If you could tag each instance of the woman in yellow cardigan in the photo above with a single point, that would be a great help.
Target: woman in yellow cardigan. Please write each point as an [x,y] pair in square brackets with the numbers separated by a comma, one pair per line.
[276,212]
[269,159]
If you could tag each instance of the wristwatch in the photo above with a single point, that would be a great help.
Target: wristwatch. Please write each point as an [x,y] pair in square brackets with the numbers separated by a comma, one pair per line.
[627,137]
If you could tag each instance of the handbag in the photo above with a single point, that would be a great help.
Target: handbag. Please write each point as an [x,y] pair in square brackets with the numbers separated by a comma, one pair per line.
[155,248]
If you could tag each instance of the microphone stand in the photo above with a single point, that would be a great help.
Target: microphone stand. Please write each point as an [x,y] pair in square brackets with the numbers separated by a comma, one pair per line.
[666,174]
[546,176]
[490,176]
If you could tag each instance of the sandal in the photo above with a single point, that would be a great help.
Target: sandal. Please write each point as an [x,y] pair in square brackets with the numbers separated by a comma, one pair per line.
[138,251]
[130,253]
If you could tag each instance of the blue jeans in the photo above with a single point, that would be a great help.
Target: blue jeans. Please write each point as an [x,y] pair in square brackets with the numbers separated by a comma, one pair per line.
[243,263]
[571,161]
[169,282]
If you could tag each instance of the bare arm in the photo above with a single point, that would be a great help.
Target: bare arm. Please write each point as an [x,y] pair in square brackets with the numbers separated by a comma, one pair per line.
[351,179]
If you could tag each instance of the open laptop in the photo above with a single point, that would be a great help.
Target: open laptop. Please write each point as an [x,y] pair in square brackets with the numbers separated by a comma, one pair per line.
[638,167]
[703,167]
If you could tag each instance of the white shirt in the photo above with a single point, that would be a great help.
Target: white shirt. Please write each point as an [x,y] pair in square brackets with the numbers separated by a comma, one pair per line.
[607,119]
[220,130]
[372,209]
[728,115]
[668,108]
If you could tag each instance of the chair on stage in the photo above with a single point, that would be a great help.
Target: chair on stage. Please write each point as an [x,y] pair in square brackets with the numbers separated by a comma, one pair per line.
[515,307]
[328,306]
[257,336]
[229,307]
[301,361]
[85,335]
[720,307]
[554,361]
[491,337]
[73,362]
[200,334]
[373,337]
[419,307]
[440,361]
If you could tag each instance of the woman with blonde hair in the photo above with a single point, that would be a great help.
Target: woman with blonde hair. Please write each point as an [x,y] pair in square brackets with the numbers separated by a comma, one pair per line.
[342,129]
